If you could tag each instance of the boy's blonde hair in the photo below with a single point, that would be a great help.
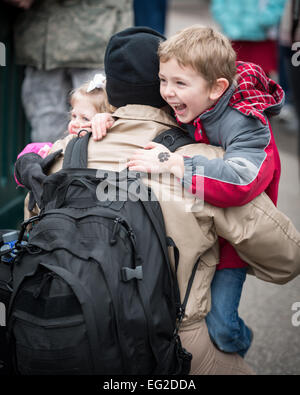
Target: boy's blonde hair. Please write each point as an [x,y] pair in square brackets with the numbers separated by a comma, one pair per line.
[206,50]
[97,97]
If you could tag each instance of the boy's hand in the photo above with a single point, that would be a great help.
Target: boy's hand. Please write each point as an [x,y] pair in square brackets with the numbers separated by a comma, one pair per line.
[100,123]
[156,158]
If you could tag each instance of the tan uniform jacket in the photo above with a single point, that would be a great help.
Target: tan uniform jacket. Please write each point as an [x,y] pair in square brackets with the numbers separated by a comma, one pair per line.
[262,235]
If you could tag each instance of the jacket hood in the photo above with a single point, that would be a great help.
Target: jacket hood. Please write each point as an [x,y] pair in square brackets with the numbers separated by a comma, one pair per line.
[253,94]
[256,94]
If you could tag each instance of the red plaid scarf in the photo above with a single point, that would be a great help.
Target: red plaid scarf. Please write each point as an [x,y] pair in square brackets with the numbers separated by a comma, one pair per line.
[255,92]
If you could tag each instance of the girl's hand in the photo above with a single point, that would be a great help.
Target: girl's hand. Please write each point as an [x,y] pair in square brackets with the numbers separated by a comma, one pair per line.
[156,158]
[100,123]
[44,151]
[84,129]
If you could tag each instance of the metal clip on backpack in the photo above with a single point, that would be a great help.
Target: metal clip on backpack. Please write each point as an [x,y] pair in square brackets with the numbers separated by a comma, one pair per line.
[93,290]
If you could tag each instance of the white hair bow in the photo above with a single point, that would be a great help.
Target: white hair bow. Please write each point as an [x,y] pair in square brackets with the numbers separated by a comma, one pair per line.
[97,82]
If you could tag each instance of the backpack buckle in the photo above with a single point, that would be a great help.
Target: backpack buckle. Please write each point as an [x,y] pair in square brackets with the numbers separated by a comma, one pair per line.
[23,228]
[128,274]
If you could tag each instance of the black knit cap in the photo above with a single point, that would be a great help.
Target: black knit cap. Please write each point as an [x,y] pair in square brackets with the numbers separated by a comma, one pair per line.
[131,67]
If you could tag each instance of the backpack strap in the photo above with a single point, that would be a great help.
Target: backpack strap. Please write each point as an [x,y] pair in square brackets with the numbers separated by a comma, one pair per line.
[76,152]
[171,243]
[174,138]
[182,307]
[189,286]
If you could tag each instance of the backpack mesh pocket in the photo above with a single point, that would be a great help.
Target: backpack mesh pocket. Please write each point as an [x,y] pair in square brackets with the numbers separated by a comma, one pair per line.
[49,329]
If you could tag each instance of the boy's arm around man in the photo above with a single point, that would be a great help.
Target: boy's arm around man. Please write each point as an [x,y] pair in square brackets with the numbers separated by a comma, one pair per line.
[247,169]
[238,122]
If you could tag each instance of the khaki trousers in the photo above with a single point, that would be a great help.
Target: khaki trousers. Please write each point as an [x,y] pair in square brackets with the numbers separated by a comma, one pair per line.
[207,359]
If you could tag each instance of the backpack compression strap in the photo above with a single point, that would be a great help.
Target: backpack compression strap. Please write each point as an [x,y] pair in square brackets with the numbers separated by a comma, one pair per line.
[174,138]
[76,152]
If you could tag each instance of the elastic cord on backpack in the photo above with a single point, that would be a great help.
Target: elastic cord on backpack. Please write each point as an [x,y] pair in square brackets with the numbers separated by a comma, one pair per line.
[186,296]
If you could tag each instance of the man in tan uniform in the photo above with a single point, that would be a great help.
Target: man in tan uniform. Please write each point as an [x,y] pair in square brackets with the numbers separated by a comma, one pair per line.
[262,235]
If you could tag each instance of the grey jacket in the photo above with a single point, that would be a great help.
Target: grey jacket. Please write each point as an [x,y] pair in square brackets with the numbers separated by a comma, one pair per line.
[238,123]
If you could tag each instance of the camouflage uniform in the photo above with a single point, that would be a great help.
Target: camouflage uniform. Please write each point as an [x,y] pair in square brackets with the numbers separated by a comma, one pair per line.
[62,43]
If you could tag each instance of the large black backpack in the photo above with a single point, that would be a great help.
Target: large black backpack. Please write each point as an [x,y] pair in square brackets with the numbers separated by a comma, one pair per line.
[93,290]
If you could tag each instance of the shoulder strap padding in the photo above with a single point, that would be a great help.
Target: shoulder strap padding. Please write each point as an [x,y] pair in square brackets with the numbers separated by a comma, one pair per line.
[174,138]
[76,152]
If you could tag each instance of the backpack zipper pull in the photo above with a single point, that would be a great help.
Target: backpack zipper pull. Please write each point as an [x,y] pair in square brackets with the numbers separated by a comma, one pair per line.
[116,228]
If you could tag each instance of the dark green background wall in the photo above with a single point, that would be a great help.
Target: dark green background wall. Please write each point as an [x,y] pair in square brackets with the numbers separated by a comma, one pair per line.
[14,129]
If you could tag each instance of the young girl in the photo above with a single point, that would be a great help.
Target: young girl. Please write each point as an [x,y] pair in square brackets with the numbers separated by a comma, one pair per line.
[86,101]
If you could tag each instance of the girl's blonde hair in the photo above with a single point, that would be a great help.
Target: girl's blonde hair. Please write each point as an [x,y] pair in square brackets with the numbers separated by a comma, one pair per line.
[206,50]
[98,97]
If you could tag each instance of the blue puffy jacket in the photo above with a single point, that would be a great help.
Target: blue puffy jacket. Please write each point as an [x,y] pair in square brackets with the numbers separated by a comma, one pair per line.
[248,20]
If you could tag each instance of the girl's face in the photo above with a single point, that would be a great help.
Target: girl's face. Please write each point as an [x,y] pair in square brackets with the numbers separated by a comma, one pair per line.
[81,115]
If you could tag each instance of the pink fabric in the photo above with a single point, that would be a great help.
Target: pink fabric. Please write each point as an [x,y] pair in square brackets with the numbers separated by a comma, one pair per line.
[34,148]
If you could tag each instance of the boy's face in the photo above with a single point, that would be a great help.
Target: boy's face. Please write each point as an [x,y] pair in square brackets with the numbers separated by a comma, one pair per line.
[184,89]
[82,113]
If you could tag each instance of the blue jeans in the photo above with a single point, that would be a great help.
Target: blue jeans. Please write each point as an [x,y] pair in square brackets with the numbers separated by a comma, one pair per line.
[226,329]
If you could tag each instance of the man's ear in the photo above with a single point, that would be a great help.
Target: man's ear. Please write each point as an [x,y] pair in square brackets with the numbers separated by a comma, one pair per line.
[218,88]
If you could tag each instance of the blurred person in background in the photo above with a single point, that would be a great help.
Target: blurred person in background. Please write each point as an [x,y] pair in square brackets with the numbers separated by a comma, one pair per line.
[151,13]
[62,45]
[252,26]
[288,114]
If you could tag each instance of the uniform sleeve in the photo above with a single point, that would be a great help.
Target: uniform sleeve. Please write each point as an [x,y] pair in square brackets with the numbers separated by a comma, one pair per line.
[35,148]
[245,171]
[263,236]
[59,144]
